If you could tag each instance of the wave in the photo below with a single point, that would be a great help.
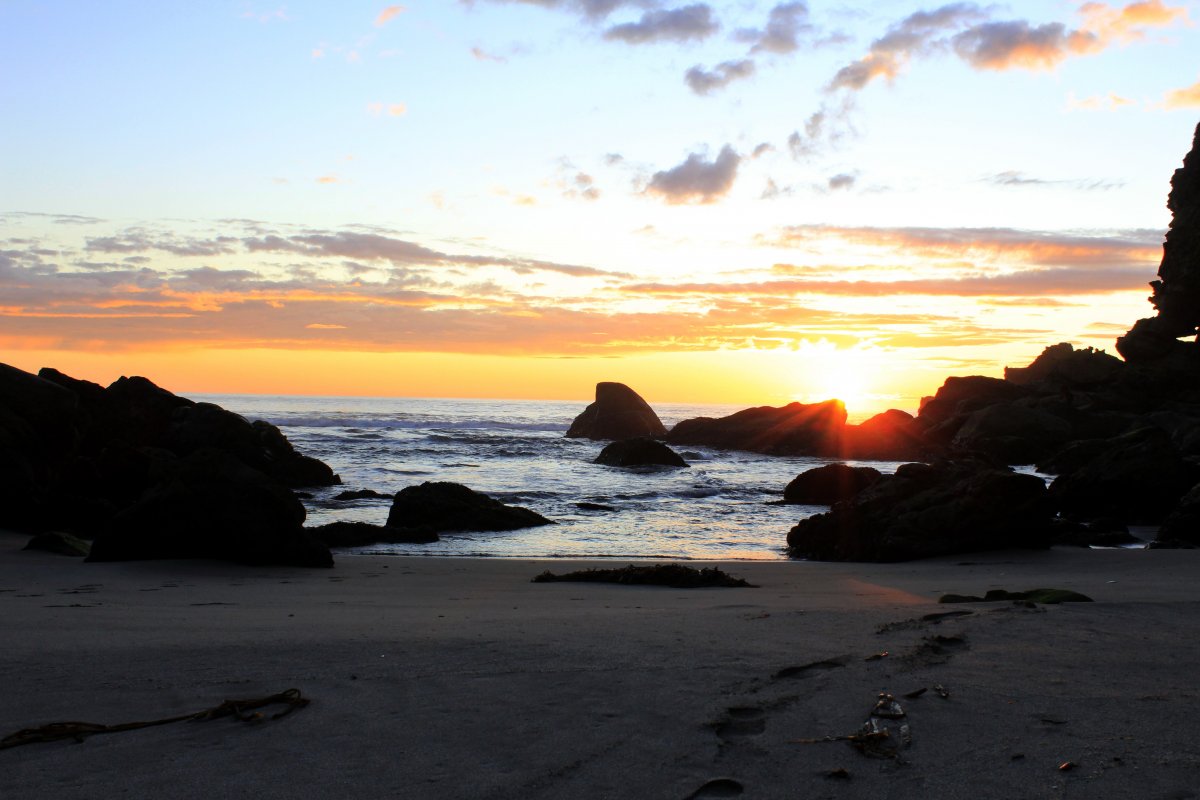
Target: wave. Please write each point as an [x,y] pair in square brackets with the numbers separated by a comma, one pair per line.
[351,422]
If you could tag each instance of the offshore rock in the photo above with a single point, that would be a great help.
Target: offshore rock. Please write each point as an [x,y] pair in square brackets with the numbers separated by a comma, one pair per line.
[927,510]
[442,506]
[794,429]
[893,435]
[637,452]
[1176,294]
[829,484]
[617,413]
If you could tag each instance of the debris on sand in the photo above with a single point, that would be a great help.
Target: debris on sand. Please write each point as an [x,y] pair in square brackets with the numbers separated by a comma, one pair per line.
[1044,596]
[675,576]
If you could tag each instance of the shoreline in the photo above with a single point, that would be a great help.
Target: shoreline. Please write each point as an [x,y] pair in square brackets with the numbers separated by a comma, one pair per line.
[436,677]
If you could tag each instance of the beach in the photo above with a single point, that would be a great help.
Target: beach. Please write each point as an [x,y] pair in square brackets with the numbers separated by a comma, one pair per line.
[459,678]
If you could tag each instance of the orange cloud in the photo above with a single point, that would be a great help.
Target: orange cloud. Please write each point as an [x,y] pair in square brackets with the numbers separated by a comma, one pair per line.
[1188,97]
[388,14]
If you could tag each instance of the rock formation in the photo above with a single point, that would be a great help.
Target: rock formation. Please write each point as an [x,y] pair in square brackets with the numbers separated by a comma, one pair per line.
[442,506]
[1176,295]
[794,429]
[638,452]
[617,413]
[829,484]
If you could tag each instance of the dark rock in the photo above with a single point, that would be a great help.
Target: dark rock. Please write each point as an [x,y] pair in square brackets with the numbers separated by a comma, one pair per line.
[1011,432]
[360,494]
[1176,294]
[958,397]
[891,435]
[361,534]
[1096,533]
[1043,596]
[617,413]
[213,506]
[1136,478]
[1061,366]
[640,451]
[452,507]
[829,484]
[794,429]
[586,506]
[64,544]
[928,510]
[1182,524]
[676,576]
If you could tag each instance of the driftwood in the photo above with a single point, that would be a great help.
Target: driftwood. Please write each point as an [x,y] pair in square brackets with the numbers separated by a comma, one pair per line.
[242,710]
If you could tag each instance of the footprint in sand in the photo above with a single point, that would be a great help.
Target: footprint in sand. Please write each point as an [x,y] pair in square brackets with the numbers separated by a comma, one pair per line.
[804,670]
[717,787]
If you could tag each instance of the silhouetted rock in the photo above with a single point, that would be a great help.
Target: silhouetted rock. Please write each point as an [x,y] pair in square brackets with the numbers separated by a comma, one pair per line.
[639,451]
[617,413]
[1176,294]
[361,534]
[1136,478]
[829,484]
[444,506]
[893,435]
[1062,366]
[947,410]
[211,505]
[1011,432]
[794,429]
[360,494]
[1182,524]
[928,510]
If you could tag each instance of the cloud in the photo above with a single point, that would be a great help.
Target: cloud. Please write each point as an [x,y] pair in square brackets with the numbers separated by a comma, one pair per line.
[917,34]
[683,24]
[1187,97]
[697,180]
[1014,178]
[137,241]
[1108,102]
[786,23]
[589,9]
[479,54]
[391,109]
[328,179]
[388,14]
[1004,45]
[841,181]
[704,82]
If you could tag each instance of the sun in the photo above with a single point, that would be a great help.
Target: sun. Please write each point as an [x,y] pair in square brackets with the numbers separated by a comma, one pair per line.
[827,372]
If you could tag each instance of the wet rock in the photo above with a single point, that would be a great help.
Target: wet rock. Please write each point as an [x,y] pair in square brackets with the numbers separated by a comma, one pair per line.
[443,506]
[639,451]
[617,413]
[360,494]
[794,429]
[829,484]
[361,534]
[928,510]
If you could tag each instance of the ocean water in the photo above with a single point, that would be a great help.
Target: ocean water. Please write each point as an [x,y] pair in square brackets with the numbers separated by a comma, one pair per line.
[514,450]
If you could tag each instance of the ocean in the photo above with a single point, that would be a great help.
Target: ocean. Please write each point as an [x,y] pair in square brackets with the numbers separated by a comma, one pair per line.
[719,508]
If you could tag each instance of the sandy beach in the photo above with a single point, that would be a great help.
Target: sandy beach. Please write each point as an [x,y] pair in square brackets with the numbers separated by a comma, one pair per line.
[459,678]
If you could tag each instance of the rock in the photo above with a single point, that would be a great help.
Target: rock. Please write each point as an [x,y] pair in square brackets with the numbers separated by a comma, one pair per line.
[1011,432]
[1182,524]
[361,534]
[360,494]
[1062,366]
[929,510]
[958,397]
[676,576]
[1135,478]
[64,544]
[1043,596]
[445,506]
[795,429]
[829,484]
[639,451]
[1176,295]
[211,505]
[892,435]
[617,413]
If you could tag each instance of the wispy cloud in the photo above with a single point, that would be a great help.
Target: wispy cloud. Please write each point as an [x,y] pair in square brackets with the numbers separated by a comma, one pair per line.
[704,82]
[1187,97]
[697,180]
[684,24]
[388,14]
[786,24]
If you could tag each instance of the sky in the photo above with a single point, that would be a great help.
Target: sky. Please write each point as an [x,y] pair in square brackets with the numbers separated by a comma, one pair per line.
[733,202]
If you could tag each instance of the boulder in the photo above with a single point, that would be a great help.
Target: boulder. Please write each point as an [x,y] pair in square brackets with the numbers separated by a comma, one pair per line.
[617,413]
[958,397]
[361,534]
[442,506]
[927,510]
[829,484]
[1182,524]
[1011,432]
[639,451]
[890,436]
[1135,478]
[211,505]
[795,429]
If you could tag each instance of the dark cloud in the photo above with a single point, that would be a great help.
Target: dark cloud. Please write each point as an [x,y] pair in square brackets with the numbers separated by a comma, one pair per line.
[705,82]
[786,24]
[697,180]
[140,242]
[1001,45]
[683,24]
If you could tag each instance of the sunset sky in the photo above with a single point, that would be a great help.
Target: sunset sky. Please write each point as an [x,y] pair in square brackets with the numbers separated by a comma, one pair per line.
[741,202]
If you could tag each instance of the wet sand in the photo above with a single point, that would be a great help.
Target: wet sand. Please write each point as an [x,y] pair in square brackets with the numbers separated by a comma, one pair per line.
[458,678]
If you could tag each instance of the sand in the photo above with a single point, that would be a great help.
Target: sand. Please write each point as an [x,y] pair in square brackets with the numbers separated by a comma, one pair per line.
[458,678]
